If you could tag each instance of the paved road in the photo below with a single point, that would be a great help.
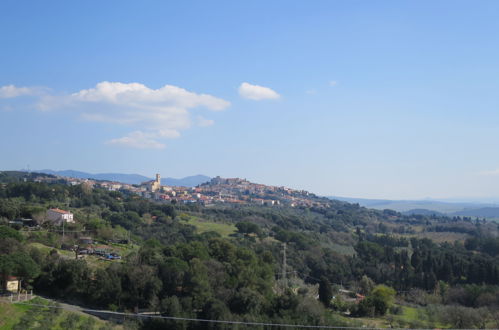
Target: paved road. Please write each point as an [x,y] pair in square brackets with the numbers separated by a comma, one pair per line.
[68,307]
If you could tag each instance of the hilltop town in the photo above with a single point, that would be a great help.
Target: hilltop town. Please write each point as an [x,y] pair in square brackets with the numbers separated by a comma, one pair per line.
[101,244]
[216,191]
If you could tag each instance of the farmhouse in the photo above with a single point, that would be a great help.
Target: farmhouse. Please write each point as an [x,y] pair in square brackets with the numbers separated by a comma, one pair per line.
[57,216]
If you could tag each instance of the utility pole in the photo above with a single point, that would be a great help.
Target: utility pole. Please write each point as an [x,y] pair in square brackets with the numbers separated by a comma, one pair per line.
[63,219]
[284,282]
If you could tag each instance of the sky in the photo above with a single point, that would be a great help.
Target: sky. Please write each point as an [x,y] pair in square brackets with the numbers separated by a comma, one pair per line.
[372,99]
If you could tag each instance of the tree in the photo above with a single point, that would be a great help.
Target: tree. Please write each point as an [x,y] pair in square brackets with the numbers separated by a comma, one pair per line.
[382,298]
[246,301]
[40,218]
[464,318]
[7,232]
[378,302]
[325,291]
[198,284]
[246,227]
[366,285]
[106,288]
[24,267]
[215,309]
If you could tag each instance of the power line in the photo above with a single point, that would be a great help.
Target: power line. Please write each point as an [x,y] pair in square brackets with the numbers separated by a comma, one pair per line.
[284,282]
[174,318]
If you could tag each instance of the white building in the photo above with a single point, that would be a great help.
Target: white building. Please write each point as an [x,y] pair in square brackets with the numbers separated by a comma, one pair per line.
[58,216]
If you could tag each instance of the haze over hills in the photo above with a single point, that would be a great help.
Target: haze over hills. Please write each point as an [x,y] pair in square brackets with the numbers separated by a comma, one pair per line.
[189,181]
[428,207]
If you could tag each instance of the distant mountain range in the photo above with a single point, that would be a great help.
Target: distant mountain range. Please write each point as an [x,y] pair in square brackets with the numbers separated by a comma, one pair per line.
[428,207]
[189,181]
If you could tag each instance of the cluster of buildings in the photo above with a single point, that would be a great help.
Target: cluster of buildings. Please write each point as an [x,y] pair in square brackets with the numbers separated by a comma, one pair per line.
[231,191]
[218,190]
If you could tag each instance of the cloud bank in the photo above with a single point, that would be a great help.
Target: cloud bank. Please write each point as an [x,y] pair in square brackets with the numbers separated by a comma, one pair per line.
[139,140]
[11,91]
[257,93]
[154,114]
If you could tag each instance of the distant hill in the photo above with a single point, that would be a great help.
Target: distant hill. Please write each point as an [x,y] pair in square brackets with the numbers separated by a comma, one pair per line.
[189,181]
[483,212]
[19,176]
[362,201]
[428,207]
[119,177]
[422,212]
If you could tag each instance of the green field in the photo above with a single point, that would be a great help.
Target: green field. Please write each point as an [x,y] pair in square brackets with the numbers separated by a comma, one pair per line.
[47,249]
[414,317]
[18,316]
[203,226]
[10,314]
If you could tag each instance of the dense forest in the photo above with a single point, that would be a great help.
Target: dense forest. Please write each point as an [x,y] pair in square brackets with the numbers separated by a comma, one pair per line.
[343,264]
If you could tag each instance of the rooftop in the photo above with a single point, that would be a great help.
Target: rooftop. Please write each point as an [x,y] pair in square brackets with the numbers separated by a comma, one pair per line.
[60,211]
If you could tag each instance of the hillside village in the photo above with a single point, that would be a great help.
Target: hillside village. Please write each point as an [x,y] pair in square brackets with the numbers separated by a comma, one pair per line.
[111,249]
[216,191]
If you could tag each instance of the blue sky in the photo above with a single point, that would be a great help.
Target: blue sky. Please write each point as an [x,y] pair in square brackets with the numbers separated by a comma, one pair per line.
[380,99]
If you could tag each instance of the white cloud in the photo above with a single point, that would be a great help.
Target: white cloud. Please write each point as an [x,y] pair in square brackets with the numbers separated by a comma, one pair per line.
[11,91]
[154,113]
[167,133]
[333,83]
[141,95]
[257,93]
[138,140]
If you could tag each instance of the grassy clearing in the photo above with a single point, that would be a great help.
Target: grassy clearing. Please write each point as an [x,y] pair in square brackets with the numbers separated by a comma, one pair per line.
[437,237]
[46,249]
[440,237]
[18,316]
[342,249]
[371,322]
[203,226]
[92,260]
[10,314]
[96,262]
[414,317]
[409,317]
[409,314]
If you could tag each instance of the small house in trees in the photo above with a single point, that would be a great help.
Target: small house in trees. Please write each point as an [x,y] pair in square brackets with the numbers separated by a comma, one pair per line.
[10,283]
[57,216]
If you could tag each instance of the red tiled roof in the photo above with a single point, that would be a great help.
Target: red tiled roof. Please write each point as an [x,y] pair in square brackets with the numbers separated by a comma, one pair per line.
[60,211]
